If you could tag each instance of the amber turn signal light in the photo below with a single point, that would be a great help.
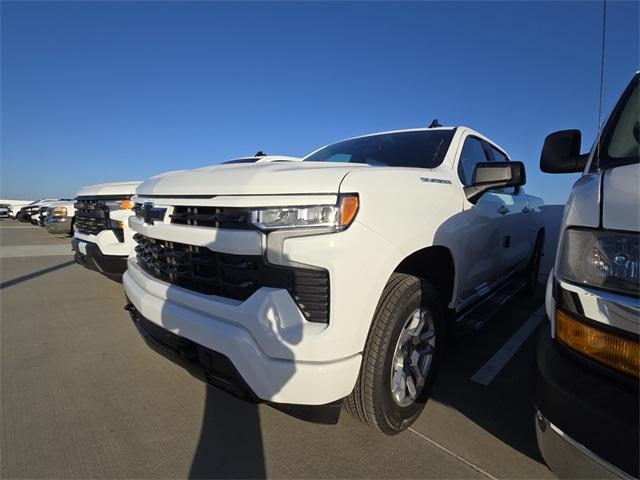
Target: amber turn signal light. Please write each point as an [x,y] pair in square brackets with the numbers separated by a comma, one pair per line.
[126,204]
[349,205]
[617,352]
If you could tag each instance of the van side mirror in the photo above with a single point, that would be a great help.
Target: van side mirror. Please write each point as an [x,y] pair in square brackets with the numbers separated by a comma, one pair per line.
[561,153]
[490,175]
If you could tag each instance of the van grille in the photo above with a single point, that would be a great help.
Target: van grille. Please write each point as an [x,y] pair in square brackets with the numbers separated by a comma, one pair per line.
[232,276]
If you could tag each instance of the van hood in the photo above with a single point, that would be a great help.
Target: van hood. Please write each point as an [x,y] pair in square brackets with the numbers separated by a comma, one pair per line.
[113,188]
[609,198]
[252,179]
[621,198]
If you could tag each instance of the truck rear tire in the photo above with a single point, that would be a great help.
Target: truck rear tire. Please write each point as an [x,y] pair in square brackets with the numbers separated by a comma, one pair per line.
[533,268]
[401,356]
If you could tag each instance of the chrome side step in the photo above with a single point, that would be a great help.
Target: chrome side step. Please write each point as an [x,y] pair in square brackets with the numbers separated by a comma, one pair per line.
[475,316]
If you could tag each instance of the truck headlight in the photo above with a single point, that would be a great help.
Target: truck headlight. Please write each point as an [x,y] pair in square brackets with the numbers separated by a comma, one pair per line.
[58,212]
[335,217]
[125,204]
[601,259]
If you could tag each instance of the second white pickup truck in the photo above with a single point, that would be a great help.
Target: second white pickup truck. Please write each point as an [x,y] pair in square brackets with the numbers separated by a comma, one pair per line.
[102,239]
[332,281]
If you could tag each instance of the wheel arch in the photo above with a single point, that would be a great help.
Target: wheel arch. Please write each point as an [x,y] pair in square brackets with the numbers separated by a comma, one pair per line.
[435,264]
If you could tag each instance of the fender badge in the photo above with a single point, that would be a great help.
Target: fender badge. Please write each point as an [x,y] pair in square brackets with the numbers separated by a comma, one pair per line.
[435,180]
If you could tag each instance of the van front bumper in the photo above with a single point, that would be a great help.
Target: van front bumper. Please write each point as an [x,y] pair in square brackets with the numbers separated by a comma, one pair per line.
[261,337]
[586,423]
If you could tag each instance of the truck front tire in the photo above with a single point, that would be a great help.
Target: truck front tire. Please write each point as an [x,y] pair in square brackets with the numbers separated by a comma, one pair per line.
[401,356]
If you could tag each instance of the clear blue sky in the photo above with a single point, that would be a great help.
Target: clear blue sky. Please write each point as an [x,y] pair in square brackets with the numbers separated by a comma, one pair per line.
[101,91]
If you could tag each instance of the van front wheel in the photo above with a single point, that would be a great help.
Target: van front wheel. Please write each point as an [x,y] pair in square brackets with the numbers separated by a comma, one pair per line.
[401,356]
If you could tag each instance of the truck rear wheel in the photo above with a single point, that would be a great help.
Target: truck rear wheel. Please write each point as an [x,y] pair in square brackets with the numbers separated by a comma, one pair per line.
[533,268]
[401,356]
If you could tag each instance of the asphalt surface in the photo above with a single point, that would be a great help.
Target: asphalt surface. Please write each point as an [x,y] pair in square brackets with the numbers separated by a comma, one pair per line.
[84,397]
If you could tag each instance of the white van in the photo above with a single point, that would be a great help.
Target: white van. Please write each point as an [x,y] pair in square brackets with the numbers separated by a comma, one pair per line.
[587,370]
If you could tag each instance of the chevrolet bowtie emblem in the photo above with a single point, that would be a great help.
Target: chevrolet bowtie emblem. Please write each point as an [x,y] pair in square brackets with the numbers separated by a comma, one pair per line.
[150,213]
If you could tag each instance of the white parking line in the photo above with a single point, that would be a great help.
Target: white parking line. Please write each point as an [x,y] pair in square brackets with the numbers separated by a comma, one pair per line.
[453,454]
[15,251]
[26,226]
[489,370]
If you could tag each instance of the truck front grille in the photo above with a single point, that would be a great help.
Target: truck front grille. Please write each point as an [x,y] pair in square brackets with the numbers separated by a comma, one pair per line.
[92,216]
[213,217]
[232,276]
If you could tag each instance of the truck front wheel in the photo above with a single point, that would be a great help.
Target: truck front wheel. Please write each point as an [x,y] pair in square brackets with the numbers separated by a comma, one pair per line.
[401,356]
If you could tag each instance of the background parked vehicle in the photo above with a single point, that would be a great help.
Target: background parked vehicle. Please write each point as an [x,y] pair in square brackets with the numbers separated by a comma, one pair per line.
[587,370]
[33,209]
[41,218]
[102,240]
[60,217]
[5,210]
[14,205]
[259,267]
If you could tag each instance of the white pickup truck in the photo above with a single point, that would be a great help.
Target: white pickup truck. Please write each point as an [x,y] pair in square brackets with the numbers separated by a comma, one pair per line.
[331,281]
[29,213]
[102,240]
[588,365]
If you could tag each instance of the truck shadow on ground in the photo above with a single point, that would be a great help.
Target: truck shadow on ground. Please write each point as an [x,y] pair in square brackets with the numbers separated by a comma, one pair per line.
[32,275]
[504,408]
[230,444]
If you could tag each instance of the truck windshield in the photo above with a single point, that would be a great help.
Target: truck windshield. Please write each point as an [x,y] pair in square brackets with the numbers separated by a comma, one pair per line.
[417,149]
[621,137]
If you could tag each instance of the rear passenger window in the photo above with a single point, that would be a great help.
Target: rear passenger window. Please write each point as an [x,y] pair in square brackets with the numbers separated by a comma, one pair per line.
[472,153]
[498,156]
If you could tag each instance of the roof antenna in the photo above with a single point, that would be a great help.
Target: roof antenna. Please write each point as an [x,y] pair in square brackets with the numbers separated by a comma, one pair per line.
[604,32]
[260,153]
[435,123]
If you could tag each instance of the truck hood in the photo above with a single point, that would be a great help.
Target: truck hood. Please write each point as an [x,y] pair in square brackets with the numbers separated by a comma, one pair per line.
[621,198]
[252,179]
[113,188]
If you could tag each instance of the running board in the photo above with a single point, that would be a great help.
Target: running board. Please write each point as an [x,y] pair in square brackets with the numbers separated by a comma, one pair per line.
[474,317]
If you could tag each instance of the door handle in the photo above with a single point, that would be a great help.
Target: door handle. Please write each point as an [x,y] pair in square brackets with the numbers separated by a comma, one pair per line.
[503,210]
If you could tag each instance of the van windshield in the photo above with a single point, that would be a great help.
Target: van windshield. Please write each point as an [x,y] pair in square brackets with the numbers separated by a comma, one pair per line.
[621,137]
[417,149]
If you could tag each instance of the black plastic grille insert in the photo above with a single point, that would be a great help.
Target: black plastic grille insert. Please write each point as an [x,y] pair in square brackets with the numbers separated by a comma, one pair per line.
[213,217]
[92,216]
[233,276]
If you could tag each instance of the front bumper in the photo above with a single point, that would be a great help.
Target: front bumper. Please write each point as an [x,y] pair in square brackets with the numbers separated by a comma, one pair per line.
[89,256]
[587,423]
[260,336]
[217,370]
[58,225]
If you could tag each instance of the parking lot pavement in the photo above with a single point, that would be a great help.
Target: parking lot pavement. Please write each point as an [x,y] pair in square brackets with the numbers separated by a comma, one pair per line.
[82,396]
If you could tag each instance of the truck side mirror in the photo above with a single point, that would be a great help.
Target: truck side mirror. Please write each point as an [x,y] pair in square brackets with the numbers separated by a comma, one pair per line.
[561,153]
[490,175]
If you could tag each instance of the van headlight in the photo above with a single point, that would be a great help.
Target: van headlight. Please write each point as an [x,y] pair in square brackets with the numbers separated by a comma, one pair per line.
[601,259]
[336,217]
